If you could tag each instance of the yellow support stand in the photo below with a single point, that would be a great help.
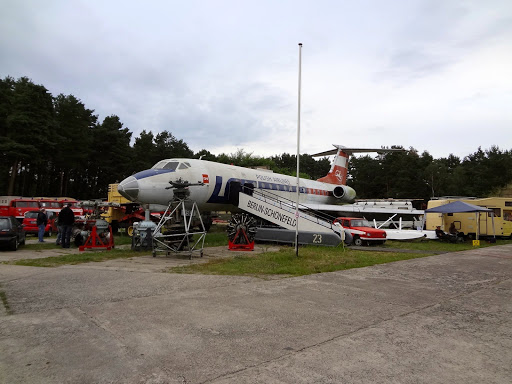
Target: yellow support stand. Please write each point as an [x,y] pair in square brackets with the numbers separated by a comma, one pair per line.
[476,243]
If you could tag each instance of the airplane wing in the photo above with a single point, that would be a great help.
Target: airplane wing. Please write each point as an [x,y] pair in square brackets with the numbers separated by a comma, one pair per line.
[351,208]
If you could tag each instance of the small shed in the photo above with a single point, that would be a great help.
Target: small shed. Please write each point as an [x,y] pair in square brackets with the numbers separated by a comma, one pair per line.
[462,207]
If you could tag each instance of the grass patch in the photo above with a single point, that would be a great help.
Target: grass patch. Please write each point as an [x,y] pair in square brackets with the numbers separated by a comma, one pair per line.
[122,239]
[314,259]
[37,247]
[213,239]
[74,258]
[216,239]
[50,243]
[311,259]
[284,262]
[5,303]
[3,298]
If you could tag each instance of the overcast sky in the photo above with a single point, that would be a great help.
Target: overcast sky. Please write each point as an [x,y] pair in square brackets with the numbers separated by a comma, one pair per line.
[222,75]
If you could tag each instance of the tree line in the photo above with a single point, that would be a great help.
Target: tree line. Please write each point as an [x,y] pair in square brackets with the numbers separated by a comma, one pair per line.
[55,146]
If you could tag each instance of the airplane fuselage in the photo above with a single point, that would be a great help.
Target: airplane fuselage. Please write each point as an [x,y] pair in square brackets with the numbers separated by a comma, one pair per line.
[214,180]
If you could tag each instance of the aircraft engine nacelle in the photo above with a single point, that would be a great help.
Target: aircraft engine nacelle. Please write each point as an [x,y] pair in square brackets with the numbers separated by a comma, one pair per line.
[342,192]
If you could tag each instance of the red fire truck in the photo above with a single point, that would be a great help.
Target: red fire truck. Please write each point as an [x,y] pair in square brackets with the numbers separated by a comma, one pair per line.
[17,206]
[55,204]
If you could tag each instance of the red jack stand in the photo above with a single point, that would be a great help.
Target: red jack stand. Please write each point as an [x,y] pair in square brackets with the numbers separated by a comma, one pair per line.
[241,242]
[95,241]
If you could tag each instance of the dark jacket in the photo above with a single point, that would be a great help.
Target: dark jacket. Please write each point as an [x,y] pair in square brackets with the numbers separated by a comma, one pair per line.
[66,216]
[41,218]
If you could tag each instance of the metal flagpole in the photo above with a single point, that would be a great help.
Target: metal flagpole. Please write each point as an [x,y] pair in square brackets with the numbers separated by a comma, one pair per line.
[298,151]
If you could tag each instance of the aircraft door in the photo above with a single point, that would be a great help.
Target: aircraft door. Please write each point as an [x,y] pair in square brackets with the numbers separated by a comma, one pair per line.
[248,188]
[235,187]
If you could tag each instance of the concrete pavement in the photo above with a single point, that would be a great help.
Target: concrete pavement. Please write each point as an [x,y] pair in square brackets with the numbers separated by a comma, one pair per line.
[438,319]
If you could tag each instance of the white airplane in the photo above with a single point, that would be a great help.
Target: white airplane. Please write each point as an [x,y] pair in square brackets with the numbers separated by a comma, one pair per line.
[211,182]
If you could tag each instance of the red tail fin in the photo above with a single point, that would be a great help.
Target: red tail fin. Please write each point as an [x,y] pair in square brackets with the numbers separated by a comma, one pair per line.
[338,172]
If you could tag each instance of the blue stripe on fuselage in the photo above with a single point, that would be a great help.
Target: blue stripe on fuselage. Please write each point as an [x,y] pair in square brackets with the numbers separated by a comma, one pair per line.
[215,198]
[151,172]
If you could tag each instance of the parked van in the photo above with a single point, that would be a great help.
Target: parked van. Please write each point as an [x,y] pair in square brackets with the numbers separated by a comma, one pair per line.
[466,223]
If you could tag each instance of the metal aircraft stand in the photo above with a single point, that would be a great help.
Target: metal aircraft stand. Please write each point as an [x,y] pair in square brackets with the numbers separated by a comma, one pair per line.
[174,232]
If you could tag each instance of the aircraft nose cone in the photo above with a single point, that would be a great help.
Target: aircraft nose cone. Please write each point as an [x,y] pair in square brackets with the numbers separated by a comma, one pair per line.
[129,188]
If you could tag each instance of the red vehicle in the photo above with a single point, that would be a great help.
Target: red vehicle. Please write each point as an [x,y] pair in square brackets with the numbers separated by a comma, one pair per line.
[30,223]
[51,205]
[361,231]
[55,204]
[18,206]
[78,211]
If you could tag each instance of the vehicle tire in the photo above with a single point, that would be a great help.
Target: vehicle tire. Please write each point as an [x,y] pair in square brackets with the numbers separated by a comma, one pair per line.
[79,240]
[49,233]
[14,244]
[115,226]
[357,241]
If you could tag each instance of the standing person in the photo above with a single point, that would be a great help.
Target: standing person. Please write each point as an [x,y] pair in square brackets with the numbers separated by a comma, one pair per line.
[66,220]
[41,222]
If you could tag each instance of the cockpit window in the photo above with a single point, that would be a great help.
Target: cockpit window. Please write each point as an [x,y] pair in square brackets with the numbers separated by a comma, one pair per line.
[165,164]
[172,165]
[184,165]
[159,165]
